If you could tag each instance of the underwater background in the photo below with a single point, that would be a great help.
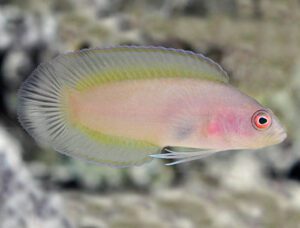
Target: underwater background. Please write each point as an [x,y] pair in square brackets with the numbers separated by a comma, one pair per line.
[256,41]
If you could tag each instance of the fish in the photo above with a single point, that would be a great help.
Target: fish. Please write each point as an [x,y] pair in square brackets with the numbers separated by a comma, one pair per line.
[124,106]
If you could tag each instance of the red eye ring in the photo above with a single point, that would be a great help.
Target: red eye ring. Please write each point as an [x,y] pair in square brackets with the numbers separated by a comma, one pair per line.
[261,120]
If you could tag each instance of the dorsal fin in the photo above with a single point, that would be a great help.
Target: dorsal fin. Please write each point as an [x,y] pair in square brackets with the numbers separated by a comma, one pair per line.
[91,67]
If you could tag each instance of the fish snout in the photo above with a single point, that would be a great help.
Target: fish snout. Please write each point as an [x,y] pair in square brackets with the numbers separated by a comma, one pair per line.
[282,136]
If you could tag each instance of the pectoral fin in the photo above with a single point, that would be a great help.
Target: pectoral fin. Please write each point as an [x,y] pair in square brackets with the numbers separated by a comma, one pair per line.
[183,154]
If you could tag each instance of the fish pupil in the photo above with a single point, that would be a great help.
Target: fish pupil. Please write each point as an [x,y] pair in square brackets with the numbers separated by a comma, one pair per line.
[262,120]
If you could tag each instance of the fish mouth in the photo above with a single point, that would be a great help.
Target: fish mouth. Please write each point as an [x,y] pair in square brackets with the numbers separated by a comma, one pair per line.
[281,136]
[280,132]
[276,137]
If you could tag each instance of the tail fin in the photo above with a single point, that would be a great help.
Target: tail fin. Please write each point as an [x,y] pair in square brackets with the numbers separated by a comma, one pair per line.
[40,106]
[43,112]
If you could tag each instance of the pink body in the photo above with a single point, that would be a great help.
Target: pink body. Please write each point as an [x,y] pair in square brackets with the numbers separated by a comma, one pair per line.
[177,112]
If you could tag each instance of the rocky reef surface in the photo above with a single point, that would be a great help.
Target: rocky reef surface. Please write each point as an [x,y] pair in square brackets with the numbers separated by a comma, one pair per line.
[23,203]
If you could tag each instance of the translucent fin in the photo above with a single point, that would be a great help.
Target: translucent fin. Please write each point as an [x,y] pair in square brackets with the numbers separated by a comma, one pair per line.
[183,156]
[90,67]
[42,111]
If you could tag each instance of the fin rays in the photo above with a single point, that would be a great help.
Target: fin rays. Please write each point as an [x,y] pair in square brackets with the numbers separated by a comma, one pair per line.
[183,156]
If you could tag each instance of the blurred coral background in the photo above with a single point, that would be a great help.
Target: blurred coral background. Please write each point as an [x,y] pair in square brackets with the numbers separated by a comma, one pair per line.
[256,41]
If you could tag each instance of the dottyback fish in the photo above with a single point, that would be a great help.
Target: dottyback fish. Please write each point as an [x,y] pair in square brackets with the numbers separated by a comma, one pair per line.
[124,106]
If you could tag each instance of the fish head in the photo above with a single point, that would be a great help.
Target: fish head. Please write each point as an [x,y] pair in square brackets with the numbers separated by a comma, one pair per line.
[254,128]
[267,127]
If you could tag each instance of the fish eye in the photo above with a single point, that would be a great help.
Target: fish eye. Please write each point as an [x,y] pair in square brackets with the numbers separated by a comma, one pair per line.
[261,120]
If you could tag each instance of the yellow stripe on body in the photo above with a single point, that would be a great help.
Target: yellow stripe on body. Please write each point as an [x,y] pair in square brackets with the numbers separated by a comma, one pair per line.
[114,140]
[134,73]
[118,142]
